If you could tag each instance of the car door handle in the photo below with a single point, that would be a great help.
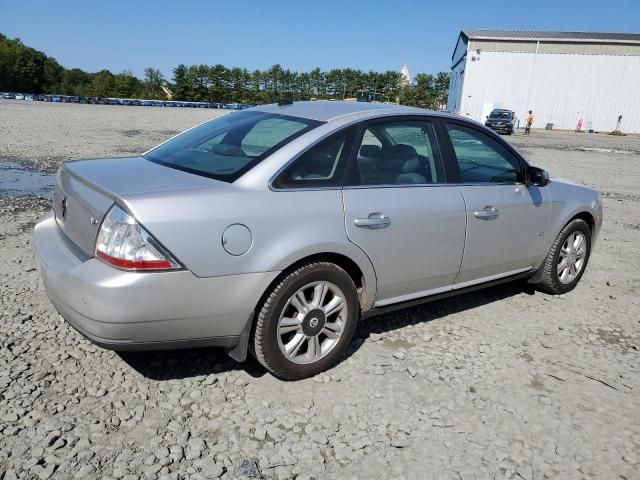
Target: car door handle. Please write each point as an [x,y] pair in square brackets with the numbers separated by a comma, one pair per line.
[373,221]
[489,213]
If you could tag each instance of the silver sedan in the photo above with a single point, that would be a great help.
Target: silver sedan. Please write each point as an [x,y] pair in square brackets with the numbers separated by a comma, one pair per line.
[275,229]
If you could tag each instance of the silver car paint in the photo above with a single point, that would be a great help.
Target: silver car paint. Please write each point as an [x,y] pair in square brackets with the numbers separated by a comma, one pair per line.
[113,306]
[217,293]
[493,245]
[567,201]
[286,226]
[89,188]
[422,247]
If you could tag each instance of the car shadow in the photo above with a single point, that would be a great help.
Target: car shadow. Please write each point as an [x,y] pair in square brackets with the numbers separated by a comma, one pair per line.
[165,365]
[187,363]
[430,311]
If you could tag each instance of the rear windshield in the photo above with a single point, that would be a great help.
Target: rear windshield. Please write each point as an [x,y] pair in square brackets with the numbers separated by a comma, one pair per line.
[500,115]
[228,147]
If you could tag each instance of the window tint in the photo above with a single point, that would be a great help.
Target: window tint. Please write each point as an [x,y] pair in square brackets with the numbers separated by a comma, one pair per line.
[267,133]
[499,114]
[481,159]
[322,165]
[397,153]
[228,147]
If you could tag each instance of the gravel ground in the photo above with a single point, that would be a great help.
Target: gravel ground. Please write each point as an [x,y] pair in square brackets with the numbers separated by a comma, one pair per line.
[504,383]
[42,134]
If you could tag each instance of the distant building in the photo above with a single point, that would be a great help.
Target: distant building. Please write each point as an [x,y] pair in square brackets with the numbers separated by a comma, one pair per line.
[404,71]
[564,77]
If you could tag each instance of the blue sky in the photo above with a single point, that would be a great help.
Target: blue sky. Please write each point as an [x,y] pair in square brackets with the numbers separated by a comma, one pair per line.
[369,35]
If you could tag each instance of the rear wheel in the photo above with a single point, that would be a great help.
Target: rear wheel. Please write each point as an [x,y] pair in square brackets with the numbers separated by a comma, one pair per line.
[567,259]
[306,321]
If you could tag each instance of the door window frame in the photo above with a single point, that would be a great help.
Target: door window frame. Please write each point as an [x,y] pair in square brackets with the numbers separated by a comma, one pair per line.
[350,142]
[452,159]
[442,160]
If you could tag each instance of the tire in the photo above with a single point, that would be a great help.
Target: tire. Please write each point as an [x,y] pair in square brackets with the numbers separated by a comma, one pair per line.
[285,320]
[552,279]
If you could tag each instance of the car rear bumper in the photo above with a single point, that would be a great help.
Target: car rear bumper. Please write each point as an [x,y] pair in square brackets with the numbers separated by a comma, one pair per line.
[122,310]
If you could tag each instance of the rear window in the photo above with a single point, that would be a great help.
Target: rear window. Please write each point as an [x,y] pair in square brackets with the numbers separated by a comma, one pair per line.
[228,147]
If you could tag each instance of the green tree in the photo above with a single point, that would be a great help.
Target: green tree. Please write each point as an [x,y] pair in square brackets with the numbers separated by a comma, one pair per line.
[23,69]
[180,87]
[125,85]
[152,83]
[102,84]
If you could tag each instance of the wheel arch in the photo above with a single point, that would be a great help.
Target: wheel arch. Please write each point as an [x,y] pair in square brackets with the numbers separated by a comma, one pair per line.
[582,215]
[587,217]
[361,273]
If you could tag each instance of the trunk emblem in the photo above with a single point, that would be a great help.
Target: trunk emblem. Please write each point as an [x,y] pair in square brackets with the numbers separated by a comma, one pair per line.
[63,204]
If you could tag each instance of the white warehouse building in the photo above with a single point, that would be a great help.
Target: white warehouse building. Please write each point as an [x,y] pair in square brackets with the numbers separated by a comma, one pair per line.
[564,77]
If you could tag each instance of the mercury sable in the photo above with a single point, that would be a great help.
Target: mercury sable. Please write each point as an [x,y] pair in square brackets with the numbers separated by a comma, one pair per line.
[274,229]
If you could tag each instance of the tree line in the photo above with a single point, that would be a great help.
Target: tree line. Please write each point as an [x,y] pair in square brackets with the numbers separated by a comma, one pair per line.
[24,69]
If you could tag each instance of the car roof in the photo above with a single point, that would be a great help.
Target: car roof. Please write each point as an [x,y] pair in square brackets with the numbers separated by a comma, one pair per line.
[327,111]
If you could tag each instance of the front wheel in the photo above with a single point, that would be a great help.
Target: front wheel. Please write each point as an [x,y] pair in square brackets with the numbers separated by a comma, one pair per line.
[306,321]
[567,259]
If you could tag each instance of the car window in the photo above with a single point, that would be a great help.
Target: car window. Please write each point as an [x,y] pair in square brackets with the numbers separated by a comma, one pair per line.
[323,165]
[397,153]
[500,115]
[267,133]
[481,159]
[229,146]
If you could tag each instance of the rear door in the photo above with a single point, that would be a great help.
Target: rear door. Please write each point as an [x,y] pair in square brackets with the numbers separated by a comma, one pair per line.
[400,210]
[506,219]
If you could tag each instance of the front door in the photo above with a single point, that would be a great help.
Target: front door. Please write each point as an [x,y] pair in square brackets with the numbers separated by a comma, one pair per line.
[506,219]
[400,211]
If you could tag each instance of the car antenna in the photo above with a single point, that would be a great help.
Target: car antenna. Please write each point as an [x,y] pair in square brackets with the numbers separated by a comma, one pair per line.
[285,101]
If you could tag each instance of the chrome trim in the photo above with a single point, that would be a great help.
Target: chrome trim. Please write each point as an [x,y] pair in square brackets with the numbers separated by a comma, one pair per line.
[411,296]
[374,221]
[299,154]
[448,288]
[497,276]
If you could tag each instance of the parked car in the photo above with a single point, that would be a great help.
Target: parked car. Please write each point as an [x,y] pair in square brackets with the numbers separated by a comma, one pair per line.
[275,229]
[19,96]
[501,121]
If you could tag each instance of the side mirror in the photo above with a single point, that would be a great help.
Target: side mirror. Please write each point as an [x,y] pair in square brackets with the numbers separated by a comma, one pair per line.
[537,177]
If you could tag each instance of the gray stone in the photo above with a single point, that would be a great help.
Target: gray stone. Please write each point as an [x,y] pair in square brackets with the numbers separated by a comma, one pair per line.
[319,437]
[248,468]
[10,417]
[260,433]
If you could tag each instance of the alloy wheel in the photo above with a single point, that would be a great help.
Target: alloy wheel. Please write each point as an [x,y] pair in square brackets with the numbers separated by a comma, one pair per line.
[572,257]
[312,322]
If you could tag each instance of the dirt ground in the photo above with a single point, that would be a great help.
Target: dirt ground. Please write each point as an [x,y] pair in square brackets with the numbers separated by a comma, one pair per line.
[505,383]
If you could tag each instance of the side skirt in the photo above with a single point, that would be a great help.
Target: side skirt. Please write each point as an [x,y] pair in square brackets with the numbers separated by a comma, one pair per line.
[439,296]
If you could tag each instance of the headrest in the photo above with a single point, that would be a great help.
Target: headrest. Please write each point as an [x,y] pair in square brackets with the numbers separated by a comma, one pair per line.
[401,151]
[372,151]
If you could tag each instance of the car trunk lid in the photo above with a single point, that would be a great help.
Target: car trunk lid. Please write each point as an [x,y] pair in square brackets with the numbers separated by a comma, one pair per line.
[86,189]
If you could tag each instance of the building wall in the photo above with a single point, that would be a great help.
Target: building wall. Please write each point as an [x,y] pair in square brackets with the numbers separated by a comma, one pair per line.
[560,88]
[457,75]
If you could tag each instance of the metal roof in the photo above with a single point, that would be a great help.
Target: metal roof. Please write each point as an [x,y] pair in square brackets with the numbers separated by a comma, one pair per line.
[537,35]
[326,111]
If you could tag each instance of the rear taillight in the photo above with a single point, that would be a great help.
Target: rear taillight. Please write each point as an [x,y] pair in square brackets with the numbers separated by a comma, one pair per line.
[123,243]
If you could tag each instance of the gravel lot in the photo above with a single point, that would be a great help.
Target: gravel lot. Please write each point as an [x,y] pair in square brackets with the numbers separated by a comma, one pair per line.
[504,383]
